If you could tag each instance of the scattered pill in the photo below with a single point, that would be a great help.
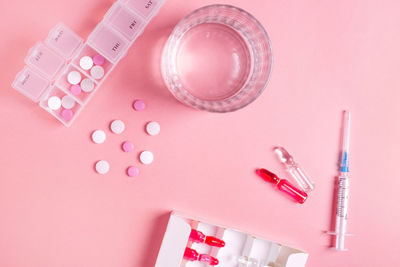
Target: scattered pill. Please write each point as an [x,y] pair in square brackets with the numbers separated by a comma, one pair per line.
[67,102]
[86,63]
[74,77]
[97,72]
[67,114]
[98,60]
[98,136]
[146,157]
[75,89]
[117,126]
[139,105]
[102,167]
[54,102]
[87,85]
[127,146]
[153,128]
[132,171]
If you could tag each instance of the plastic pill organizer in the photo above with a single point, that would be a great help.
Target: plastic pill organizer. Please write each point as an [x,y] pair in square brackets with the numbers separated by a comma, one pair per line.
[54,67]
[240,250]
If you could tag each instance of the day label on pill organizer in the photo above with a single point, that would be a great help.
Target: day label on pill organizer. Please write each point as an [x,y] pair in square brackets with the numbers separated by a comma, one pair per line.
[144,7]
[125,21]
[45,60]
[63,40]
[30,84]
[111,44]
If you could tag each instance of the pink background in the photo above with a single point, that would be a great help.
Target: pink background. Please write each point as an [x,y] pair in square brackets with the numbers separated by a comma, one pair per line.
[328,55]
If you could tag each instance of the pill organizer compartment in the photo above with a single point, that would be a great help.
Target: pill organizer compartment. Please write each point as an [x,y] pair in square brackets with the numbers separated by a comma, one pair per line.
[146,8]
[125,21]
[45,60]
[65,114]
[31,84]
[63,83]
[240,250]
[108,42]
[64,41]
[87,50]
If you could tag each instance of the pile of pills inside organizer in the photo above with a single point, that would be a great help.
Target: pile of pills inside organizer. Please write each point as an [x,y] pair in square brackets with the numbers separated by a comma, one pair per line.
[117,127]
[92,65]
[66,102]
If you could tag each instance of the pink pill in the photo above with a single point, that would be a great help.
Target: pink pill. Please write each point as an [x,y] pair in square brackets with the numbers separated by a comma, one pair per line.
[127,146]
[132,171]
[98,60]
[67,114]
[75,89]
[139,105]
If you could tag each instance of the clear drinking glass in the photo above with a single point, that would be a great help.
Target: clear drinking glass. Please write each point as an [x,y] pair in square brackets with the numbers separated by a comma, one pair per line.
[218,58]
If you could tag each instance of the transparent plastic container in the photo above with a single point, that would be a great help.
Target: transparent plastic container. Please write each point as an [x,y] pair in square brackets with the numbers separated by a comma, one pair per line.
[49,64]
[218,58]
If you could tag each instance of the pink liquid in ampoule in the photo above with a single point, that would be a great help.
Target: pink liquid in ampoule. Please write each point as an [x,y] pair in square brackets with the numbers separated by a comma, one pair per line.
[199,237]
[283,185]
[192,255]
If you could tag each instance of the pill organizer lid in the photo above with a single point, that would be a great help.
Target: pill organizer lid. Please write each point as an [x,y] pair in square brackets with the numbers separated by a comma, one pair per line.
[108,42]
[115,10]
[64,41]
[47,62]
[31,84]
[119,12]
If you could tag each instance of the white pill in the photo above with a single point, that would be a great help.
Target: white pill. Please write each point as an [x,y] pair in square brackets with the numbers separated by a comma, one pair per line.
[97,72]
[102,167]
[98,136]
[74,77]
[54,102]
[146,157]
[117,126]
[86,63]
[153,128]
[87,85]
[67,102]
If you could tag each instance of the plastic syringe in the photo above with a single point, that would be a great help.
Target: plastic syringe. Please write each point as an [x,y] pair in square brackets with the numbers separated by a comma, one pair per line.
[343,188]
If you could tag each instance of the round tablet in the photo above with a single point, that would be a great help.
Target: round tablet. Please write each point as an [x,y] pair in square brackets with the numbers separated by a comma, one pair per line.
[127,146]
[86,63]
[98,60]
[98,136]
[117,126]
[74,77]
[67,114]
[67,102]
[54,102]
[146,157]
[139,105]
[97,72]
[87,85]
[153,128]
[102,167]
[132,171]
[75,89]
